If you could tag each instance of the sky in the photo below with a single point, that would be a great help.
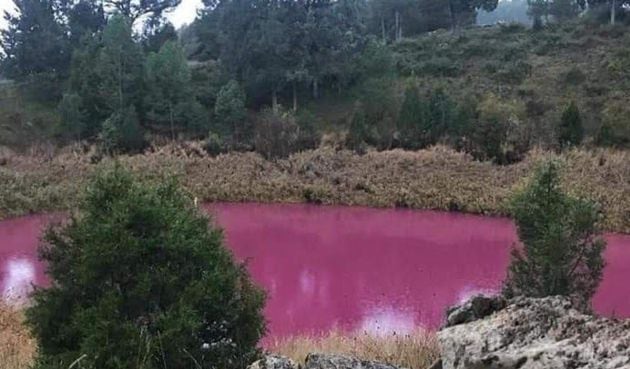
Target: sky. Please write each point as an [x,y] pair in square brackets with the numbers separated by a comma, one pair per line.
[183,14]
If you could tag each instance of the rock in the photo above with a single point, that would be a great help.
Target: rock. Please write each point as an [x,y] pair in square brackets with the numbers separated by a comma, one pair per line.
[326,361]
[274,362]
[477,307]
[534,334]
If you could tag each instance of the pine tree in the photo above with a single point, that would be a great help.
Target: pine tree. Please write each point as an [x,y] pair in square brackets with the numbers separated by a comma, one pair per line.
[169,96]
[571,131]
[412,119]
[140,279]
[562,244]
[119,66]
[229,110]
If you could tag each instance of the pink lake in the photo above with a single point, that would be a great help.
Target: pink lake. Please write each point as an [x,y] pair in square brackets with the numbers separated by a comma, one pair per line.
[351,268]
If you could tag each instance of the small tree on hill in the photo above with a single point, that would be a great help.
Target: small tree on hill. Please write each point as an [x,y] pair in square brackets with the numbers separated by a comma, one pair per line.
[140,280]
[571,131]
[562,248]
[412,119]
[229,109]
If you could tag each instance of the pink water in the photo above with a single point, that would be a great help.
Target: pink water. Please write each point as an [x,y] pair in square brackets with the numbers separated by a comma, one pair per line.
[375,270]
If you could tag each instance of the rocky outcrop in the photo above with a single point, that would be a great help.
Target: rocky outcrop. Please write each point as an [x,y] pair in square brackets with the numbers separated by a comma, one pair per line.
[325,361]
[527,333]
[274,362]
[318,361]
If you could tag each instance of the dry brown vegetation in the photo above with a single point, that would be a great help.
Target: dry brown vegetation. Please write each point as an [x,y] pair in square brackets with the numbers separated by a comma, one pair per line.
[436,178]
[416,350]
[17,347]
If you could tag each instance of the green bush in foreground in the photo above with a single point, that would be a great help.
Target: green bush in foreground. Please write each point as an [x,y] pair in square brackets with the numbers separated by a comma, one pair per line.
[139,280]
[562,247]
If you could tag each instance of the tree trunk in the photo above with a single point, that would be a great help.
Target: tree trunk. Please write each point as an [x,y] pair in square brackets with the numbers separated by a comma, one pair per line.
[383,30]
[274,101]
[315,89]
[295,101]
[397,22]
[613,12]
[170,112]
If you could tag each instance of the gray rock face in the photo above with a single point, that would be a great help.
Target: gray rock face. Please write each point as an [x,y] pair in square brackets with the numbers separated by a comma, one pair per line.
[478,307]
[324,361]
[533,334]
[274,362]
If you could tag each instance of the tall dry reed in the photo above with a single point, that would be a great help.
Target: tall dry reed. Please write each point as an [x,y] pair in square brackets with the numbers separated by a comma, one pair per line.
[416,350]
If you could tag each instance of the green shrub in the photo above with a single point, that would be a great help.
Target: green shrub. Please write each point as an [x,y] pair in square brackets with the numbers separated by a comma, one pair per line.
[140,280]
[229,109]
[276,133]
[574,76]
[308,136]
[358,133]
[412,118]
[214,144]
[570,130]
[615,128]
[72,123]
[514,72]
[498,132]
[562,248]
[121,133]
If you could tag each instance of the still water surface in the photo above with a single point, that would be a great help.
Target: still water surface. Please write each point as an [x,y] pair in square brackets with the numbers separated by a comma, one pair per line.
[374,270]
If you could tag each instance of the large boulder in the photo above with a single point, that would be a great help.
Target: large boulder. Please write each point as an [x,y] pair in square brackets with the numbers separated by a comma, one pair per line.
[326,361]
[532,333]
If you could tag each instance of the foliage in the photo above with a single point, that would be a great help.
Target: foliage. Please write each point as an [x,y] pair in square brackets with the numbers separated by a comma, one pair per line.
[122,133]
[141,280]
[358,133]
[562,247]
[411,119]
[214,144]
[34,41]
[72,124]
[229,109]
[570,130]
[497,134]
[276,133]
[169,98]
[615,127]
[119,66]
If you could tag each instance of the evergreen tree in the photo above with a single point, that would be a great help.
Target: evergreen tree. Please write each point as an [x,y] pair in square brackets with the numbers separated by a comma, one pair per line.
[34,42]
[412,119]
[119,66]
[72,125]
[141,280]
[571,131]
[562,248]
[229,110]
[168,84]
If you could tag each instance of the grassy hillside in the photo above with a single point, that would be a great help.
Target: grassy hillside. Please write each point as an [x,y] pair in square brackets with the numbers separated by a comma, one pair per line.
[538,72]
[542,69]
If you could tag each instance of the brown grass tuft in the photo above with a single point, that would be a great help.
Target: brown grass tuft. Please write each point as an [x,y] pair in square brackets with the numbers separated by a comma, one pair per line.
[17,346]
[417,350]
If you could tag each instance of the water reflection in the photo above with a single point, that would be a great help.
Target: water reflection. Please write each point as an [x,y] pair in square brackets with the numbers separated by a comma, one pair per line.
[18,276]
[388,320]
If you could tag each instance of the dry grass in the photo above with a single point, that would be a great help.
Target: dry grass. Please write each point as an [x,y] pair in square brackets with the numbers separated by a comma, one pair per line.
[436,178]
[17,347]
[417,350]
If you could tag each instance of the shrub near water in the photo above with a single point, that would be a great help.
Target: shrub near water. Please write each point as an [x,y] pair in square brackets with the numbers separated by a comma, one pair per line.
[139,280]
[562,253]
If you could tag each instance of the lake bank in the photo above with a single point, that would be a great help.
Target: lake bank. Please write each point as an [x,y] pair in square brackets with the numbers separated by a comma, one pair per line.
[436,178]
